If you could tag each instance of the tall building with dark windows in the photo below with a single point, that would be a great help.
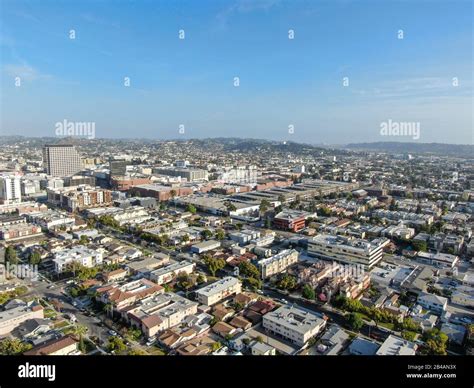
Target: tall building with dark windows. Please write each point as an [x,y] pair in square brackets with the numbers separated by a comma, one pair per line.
[61,160]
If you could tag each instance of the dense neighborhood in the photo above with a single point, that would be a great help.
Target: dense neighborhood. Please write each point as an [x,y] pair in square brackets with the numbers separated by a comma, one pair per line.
[233,248]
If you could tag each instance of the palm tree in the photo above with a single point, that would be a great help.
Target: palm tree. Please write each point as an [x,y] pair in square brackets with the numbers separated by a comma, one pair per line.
[172,195]
[109,308]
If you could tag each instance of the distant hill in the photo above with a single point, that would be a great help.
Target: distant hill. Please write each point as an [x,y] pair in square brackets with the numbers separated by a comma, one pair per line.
[416,148]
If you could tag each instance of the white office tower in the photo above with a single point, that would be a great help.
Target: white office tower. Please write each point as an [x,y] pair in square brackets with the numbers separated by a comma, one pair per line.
[61,160]
[182,163]
[299,169]
[10,189]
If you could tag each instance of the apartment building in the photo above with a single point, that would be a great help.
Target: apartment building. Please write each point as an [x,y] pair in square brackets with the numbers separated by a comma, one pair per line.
[278,263]
[347,250]
[51,219]
[160,312]
[120,297]
[434,303]
[79,254]
[219,290]
[293,323]
[168,273]
[79,197]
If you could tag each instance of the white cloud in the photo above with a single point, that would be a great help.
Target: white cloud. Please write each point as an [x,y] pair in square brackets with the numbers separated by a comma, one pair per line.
[25,72]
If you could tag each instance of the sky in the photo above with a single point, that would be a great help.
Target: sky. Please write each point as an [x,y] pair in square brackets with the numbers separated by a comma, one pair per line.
[351,67]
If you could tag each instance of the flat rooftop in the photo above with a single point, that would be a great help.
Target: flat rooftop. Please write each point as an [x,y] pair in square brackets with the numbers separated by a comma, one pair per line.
[294,318]
[218,286]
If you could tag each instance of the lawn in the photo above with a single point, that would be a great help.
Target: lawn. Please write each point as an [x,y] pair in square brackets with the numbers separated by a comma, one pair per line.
[49,313]
[61,324]
[156,351]
[387,325]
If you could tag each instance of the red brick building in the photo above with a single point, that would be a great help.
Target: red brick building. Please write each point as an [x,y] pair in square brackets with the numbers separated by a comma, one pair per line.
[290,220]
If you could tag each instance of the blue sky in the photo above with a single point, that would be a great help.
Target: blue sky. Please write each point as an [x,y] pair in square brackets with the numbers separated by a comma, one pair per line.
[283,82]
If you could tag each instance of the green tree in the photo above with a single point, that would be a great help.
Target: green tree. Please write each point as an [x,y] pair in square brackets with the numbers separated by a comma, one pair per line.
[191,208]
[214,264]
[10,255]
[287,282]
[216,346]
[419,245]
[408,335]
[12,347]
[253,283]
[308,292]
[355,321]
[35,258]
[264,205]
[83,240]
[220,234]
[200,279]
[206,234]
[184,281]
[116,344]
[435,342]
[248,269]
[324,211]
[230,206]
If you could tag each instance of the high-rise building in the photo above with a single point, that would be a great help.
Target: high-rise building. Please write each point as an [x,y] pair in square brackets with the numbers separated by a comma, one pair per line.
[61,160]
[118,167]
[10,189]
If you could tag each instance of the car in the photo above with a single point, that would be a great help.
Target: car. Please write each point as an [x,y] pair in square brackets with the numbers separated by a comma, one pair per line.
[150,341]
[71,317]
[284,301]
[112,333]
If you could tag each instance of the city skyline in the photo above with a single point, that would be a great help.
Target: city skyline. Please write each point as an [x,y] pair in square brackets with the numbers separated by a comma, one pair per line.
[311,72]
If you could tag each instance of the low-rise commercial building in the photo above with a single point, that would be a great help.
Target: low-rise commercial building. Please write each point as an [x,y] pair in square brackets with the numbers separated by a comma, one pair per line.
[347,249]
[205,246]
[292,220]
[14,317]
